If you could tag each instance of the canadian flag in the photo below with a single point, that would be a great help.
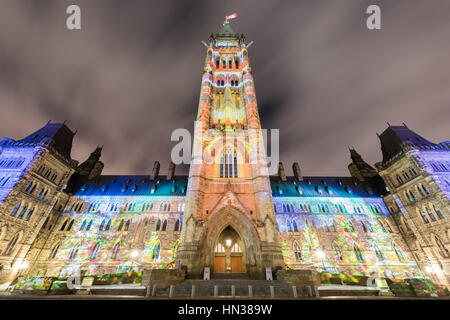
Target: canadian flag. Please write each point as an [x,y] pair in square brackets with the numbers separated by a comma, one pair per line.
[234,15]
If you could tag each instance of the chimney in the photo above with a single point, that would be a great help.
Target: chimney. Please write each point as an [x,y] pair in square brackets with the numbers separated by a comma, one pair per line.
[155,171]
[297,171]
[171,171]
[281,172]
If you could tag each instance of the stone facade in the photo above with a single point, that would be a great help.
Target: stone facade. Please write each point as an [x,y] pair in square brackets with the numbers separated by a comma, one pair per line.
[417,173]
[58,217]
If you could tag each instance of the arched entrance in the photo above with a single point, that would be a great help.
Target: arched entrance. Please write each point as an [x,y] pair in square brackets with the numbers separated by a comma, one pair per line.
[229,252]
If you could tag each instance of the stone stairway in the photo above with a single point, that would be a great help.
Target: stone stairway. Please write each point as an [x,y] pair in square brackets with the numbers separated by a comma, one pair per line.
[205,288]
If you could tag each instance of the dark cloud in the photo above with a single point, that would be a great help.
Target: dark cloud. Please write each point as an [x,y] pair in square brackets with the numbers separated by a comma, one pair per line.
[133,73]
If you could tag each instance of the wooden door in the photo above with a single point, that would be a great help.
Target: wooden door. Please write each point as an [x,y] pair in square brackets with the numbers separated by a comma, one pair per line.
[219,264]
[236,264]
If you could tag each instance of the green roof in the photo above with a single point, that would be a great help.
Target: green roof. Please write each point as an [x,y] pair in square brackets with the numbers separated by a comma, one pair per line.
[226,31]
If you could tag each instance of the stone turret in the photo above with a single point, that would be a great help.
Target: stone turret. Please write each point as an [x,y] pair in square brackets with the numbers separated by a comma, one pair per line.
[360,169]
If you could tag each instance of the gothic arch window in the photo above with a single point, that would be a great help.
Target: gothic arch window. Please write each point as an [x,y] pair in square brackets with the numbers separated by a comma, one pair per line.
[382,227]
[442,249]
[127,225]
[63,225]
[177,225]
[115,251]
[94,251]
[389,229]
[11,244]
[358,253]
[22,212]
[156,251]
[89,225]
[363,226]
[236,248]
[337,252]
[425,189]
[82,225]
[54,251]
[120,225]
[430,213]
[424,217]
[158,225]
[28,187]
[70,225]
[289,227]
[102,225]
[400,256]
[16,208]
[379,254]
[294,225]
[297,252]
[164,226]
[438,212]
[219,248]
[108,225]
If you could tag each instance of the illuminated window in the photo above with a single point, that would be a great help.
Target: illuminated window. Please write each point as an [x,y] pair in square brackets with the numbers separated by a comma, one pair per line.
[156,250]
[425,189]
[424,217]
[337,252]
[438,212]
[11,244]
[430,213]
[22,212]
[13,213]
[108,225]
[54,251]
[89,225]
[82,225]
[443,250]
[236,248]
[30,213]
[219,248]
[379,254]
[94,251]
[115,251]
[127,225]
[358,253]
[294,225]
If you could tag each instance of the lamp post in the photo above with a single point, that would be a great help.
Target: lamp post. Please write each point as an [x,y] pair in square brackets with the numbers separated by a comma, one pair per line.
[321,255]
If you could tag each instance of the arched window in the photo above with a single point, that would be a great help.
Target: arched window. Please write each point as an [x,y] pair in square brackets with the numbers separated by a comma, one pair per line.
[219,248]
[424,217]
[164,226]
[115,251]
[108,225]
[337,252]
[13,213]
[127,225]
[177,225]
[94,250]
[381,226]
[358,253]
[120,225]
[82,225]
[363,226]
[430,213]
[64,225]
[11,244]
[438,212]
[294,225]
[388,227]
[89,225]
[73,253]
[28,187]
[102,225]
[54,251]
[297,252]
[156,250]
[158,225]
[399,253]
[236,248]
[379,254]
[289,226]
[70,225]
[443,250]
[30,213]
[22,212]
[425,189]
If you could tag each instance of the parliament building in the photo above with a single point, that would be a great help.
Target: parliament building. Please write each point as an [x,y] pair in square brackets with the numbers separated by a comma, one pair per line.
[59,217]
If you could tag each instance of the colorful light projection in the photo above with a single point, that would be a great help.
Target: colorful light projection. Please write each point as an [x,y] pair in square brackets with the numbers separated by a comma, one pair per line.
[106,242]
[358,243]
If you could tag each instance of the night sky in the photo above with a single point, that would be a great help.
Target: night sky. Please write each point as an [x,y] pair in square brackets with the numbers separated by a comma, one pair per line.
[133,73]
